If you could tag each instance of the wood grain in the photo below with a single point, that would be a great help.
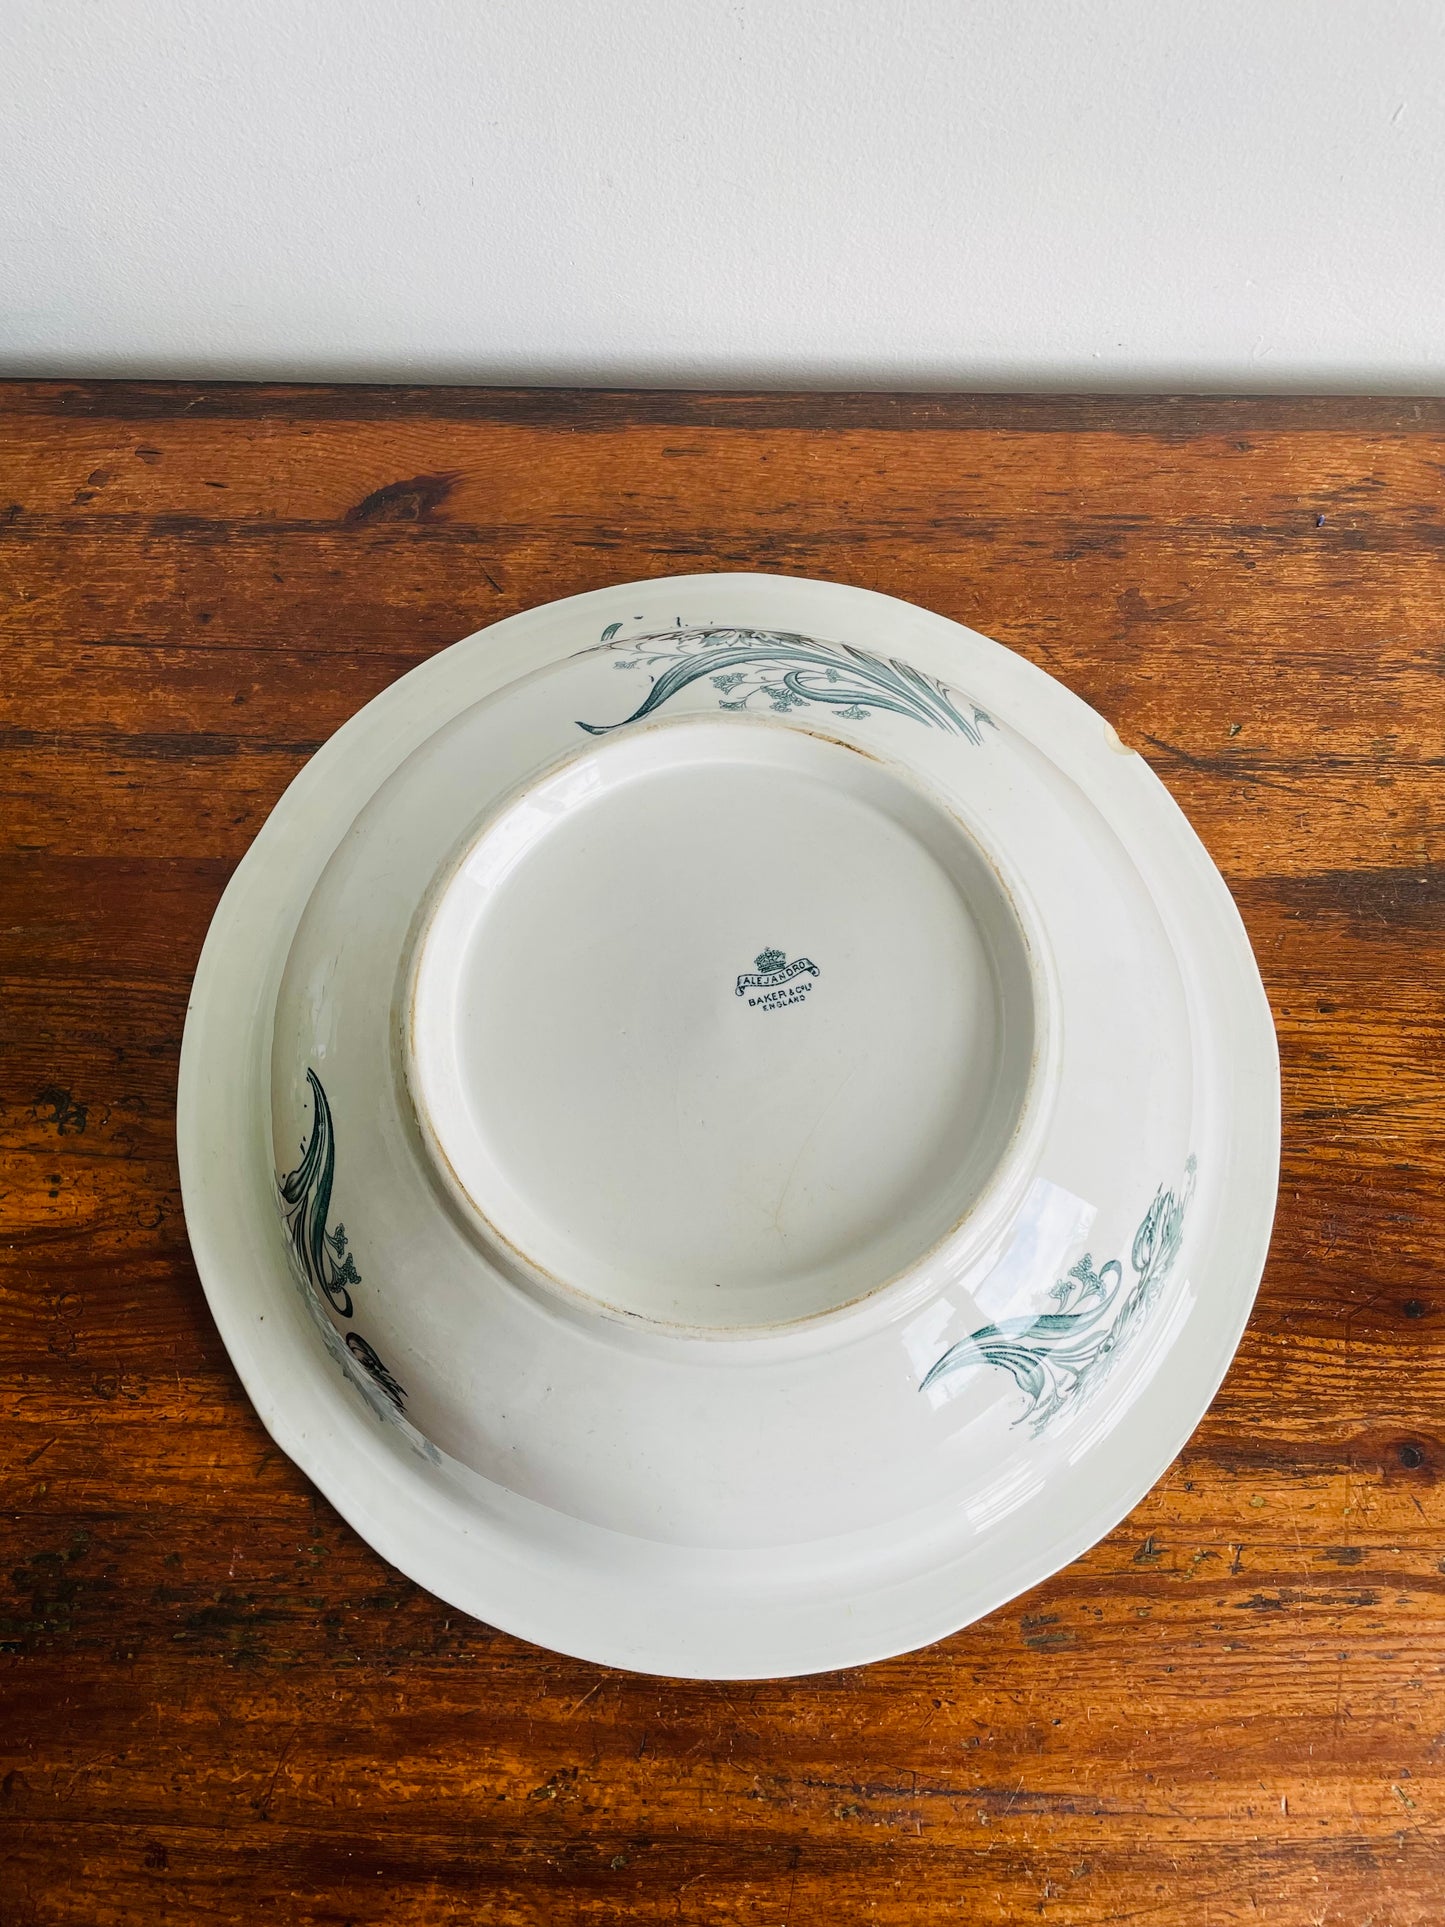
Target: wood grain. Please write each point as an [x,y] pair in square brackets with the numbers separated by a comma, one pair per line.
[214,1700]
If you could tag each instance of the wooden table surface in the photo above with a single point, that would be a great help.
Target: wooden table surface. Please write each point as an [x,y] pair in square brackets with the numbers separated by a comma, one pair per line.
[216,1704]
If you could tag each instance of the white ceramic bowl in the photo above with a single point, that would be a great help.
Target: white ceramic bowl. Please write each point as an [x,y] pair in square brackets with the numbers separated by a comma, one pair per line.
[768,1108]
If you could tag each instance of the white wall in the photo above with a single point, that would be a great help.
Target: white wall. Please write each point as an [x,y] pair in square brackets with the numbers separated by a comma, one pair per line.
[1241,194]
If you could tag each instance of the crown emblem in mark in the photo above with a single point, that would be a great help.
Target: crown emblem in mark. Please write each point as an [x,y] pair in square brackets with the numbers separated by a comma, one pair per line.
[770,960]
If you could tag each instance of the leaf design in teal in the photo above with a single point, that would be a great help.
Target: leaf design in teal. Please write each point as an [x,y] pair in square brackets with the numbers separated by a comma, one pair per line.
[323,1262]
[777,671]
[1060,1355]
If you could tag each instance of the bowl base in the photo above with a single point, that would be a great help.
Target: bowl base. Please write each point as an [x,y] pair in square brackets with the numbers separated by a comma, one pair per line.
[722,1026]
